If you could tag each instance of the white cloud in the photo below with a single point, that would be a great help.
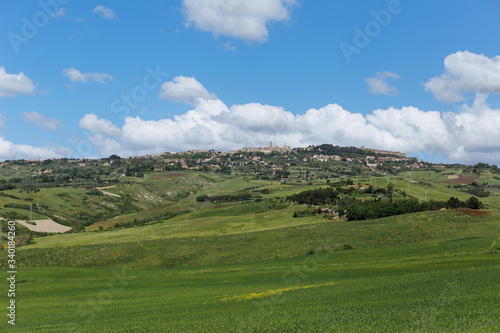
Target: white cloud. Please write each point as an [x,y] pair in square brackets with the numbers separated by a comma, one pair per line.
[334,124]
[60,13]
[101,77]
[255,117]
[50,124]
[104,12]
[76,76]
[93,124]
[110,146]
[185,89]
[11,151]
[476,132]
[466,72]
[469,136]
[378,84]
[194,128]
[229,46]
[411,130]
[240,19]
[15,84]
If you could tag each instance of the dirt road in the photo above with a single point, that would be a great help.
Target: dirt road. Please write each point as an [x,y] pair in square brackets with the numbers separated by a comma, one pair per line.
[108,193]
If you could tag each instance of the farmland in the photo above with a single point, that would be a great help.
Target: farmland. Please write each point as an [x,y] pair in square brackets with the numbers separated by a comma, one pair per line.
[217,251]
[446,283]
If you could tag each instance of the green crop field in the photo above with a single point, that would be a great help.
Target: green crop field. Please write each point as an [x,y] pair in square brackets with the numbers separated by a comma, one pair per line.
[424,272]
[251,266]
[447,286]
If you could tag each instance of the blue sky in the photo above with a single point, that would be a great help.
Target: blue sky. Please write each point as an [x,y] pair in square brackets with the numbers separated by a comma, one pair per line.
[89,79]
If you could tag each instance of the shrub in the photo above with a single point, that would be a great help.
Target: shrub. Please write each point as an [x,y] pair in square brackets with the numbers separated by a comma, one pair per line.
[224,197]
[344,247]
[478,192]
[311,251]
[473,203]
[276,203]
[311,211]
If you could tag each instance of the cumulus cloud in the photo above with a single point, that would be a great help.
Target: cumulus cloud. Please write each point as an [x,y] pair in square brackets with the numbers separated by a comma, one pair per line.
[240,19]
[11,151]
[469,136]
[476,132]
[185,89]
[412,130]
[378,84]
[38,119]
[466,72]
[93,124]
[104,12]
[15,84]
[75,75]
[255,117]
[110,146]
[194,128]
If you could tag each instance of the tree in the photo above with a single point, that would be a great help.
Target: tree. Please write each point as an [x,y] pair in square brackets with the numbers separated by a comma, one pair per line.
[473,203]
[453,203]
[390,190]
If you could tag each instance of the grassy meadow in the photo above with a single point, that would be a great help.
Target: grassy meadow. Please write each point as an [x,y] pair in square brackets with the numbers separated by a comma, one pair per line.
[448,286]
[245,267]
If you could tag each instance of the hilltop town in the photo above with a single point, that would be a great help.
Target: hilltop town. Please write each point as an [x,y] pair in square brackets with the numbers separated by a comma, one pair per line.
[272,162]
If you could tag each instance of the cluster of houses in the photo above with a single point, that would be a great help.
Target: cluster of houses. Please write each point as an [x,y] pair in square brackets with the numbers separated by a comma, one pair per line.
[265,150]
[240,158]
[372,162]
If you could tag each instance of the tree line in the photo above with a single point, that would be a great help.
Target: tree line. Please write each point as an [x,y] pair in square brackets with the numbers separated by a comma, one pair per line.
[355,209]
[374,209]
[224,197]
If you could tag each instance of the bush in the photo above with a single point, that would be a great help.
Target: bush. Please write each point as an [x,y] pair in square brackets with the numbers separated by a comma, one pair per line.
[311,211]
[311,251]
[344,247]
[474,203]
[95,192]
[478,192]
[276,203]
[17,205]
[224,197]
[315,197]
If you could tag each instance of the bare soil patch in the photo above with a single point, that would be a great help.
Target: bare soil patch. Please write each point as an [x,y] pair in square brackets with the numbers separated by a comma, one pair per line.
[45,226]
[461,180]
[473,212]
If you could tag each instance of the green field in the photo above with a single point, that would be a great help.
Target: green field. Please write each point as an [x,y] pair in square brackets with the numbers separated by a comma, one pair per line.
[449,286]
[422,272]
[246,267]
